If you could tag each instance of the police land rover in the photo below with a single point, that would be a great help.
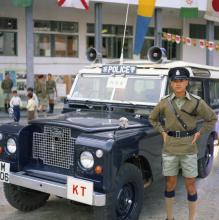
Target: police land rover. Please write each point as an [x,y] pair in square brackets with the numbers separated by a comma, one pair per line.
[101,151]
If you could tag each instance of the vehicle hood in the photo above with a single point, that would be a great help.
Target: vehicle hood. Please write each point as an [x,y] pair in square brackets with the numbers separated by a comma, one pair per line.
[92,121]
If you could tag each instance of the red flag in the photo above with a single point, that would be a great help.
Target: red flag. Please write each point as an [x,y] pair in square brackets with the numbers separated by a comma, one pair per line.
[212,12]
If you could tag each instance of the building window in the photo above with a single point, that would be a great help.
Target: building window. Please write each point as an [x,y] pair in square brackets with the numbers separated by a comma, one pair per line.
[112,40]
[8,37]
[66,46]
[148,43]
[55,38]
[173,49]
[196,87]
[197,31]
[42,45]
[216,32]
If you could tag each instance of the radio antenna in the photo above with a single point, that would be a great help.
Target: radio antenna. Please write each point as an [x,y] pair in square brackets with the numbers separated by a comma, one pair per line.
[124,35]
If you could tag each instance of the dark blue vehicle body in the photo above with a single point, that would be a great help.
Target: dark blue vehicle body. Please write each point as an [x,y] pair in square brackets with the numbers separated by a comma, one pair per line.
[92,131]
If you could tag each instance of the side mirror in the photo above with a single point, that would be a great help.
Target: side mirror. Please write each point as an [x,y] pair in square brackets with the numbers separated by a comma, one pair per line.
[65,100]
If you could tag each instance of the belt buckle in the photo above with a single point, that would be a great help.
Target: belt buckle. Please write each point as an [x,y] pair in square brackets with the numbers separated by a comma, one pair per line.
[177,134]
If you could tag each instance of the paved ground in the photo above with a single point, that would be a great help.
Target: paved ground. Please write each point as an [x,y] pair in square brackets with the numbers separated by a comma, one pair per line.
[153,209]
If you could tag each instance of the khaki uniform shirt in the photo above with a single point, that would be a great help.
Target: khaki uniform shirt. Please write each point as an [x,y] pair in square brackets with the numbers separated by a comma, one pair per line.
[7,85]
[40,89]
[50,86]
[182,146]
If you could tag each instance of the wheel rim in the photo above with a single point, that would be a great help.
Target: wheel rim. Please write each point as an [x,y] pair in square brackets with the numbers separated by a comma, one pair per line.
[125,201]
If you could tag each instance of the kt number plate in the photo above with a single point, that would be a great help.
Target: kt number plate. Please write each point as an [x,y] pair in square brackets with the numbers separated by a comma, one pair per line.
[80,190]
[4,172]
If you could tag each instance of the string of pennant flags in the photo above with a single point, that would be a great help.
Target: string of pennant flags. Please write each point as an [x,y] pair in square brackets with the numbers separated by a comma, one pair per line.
[202,43]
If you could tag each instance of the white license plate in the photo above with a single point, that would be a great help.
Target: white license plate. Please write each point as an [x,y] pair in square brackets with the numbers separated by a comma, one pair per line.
[80,190]
[4,172]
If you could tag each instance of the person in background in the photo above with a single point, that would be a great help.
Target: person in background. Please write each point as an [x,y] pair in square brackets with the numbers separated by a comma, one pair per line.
[31,107]
[15,103]
[40,89]
[30,90]
[51,91]
[6,86]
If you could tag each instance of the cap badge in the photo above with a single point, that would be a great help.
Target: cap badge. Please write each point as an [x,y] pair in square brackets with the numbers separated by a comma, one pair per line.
[178,73]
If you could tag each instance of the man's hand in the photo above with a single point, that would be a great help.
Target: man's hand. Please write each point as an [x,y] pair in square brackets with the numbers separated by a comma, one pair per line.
[196,137]
[164,134]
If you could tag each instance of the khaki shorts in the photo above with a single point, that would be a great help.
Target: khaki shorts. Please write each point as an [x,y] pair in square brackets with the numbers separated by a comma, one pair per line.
[7,97]
[42,100]
[172,164]
[51,96]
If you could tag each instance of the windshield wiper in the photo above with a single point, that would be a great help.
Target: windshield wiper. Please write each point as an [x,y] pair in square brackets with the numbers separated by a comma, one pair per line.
[88,103]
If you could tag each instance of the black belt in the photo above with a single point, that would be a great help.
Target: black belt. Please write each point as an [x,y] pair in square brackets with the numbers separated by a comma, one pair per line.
[180,134]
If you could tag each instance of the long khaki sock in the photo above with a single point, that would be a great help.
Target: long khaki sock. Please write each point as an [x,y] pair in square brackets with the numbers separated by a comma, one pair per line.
[192,210]
[169,207]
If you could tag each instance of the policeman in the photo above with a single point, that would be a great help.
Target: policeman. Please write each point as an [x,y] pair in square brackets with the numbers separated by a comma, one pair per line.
[180,111]
[6,86]
[51,91]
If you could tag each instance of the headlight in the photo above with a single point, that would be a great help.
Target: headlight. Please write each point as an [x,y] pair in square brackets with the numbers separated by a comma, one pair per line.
[87,160]
[1,136]
[11,146]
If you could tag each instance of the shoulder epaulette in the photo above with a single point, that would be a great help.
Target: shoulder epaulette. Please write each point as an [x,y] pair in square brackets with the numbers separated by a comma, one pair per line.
[166,96]
[195,96]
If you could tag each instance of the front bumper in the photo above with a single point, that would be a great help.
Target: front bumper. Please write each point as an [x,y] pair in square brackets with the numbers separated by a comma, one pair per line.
[54,188]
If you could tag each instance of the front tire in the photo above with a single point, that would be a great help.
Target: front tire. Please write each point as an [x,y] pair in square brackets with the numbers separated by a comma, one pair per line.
[24,199]
[205,163]
[125,201]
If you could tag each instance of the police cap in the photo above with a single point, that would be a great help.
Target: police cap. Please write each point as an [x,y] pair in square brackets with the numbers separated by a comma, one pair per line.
[178,73]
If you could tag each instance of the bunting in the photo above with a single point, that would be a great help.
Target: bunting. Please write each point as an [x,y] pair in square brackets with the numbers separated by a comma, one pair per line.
[210,45]
[145,13]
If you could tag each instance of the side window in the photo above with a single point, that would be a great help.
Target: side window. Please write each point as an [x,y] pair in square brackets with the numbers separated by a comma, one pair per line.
[214,92]
[196,88]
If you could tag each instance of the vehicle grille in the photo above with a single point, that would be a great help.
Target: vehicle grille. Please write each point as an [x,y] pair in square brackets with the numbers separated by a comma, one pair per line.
[54,146]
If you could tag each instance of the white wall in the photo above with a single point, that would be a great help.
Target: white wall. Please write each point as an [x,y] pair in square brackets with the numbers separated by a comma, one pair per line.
[8,10]
[196,54]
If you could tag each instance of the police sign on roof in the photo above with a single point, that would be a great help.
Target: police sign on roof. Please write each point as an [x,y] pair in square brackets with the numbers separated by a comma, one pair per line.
[119,69]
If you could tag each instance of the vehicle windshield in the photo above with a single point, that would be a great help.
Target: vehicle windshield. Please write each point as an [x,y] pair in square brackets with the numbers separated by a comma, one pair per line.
[119,89]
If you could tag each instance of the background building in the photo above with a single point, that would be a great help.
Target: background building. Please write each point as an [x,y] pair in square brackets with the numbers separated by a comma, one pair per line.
[62,36]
